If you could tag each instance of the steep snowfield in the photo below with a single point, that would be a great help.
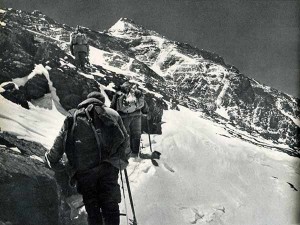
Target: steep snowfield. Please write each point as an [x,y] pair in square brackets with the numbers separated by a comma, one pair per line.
[205,177]
[36,124]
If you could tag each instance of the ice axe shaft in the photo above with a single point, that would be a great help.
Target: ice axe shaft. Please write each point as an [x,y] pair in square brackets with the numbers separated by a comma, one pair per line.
[134,222]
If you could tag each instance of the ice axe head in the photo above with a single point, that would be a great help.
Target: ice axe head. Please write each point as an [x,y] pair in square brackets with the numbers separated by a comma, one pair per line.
[155,155]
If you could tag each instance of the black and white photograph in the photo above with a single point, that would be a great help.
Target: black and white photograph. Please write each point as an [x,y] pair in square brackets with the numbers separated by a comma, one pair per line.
[149,112]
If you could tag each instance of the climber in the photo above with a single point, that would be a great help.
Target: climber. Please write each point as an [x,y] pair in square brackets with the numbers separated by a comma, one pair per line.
[174,104]
[97,147]
[129,102]
[79,48]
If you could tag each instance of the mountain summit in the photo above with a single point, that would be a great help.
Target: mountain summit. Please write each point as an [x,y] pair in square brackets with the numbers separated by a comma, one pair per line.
[127,27]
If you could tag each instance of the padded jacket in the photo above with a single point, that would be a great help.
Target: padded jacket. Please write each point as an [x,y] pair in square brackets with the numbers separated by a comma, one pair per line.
[119,146]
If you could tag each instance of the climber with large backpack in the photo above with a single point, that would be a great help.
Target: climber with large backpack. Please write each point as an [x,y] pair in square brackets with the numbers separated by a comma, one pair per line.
[97,148]
[130,103]
[79,48]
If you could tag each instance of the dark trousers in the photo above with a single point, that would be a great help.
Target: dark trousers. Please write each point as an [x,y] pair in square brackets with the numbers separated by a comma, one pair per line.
[100,190]
[80,59]
[133,125]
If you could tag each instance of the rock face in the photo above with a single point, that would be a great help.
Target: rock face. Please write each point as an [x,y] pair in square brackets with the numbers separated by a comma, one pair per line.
[20,44]
[30,193]
[20,178]
[71,88]
[36,87]
[15,95]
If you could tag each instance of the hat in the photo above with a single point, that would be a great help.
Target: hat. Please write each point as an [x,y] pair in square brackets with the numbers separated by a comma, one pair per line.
[125,87]
[98,95]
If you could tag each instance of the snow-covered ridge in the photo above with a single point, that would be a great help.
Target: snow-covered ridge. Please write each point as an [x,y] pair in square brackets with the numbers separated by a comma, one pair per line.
[125,26]
[213,85]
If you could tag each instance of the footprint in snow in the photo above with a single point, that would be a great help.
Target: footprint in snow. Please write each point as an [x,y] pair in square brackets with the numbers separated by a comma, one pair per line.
[146,170]
[198,215]
[168,167]
[290,184]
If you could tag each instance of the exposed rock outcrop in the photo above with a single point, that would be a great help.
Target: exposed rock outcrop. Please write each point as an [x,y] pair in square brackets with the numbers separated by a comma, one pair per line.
[30,193]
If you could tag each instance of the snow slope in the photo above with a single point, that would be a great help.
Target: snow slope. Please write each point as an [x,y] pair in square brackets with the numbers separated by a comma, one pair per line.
[204,177]
[36,124]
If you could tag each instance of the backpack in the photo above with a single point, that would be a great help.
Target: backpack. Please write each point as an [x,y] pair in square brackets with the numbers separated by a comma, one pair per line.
[83,144]
[90,141]
[79,39]
[128,104]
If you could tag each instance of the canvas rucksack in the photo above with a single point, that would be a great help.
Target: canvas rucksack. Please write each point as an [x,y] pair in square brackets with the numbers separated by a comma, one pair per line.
[79,39]
[129,104]
[83,146]
[93,138]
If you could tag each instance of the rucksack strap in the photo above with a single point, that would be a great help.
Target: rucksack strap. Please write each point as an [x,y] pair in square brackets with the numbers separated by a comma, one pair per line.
[73,125]
[90,120]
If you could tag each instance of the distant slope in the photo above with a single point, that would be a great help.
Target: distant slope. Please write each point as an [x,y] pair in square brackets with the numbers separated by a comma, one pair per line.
[202,80]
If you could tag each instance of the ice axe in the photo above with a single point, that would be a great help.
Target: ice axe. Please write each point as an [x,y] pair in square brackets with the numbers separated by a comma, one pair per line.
[154,154]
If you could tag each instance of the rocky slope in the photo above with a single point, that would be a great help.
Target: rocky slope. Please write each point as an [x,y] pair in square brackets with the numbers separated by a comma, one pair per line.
[36,70]
[202,80]
[32,38]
